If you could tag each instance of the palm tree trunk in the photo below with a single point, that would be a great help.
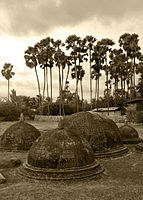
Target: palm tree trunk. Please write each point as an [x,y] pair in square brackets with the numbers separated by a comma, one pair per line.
[122,85]
[132,85]
[90,79]
[38,82]
[97,91]
[107,86]
[67,76]
[77,106]
[47,86]
[44,83]
[51,84]
[8,89]
[62,77]
[81,92]
[134,76]
[62,85]
[60,91]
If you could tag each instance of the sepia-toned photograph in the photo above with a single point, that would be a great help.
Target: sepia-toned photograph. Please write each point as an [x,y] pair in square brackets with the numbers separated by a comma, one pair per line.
[71,100]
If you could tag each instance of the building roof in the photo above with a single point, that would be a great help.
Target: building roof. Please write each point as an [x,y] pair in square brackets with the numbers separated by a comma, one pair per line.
[106,109]
[134,100]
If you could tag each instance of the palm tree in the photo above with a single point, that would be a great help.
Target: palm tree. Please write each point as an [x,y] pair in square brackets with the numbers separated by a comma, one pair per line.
[73,43]
[32,62]
[46,60]
[7,73]
[68,64]
[97,59]
[106,43]
[118,67]
[60,62]
[80,75]
[96,76]
[90,41]
[129,42]
[140,72]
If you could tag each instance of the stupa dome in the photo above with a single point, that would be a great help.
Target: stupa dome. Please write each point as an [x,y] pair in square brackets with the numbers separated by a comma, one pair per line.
[139,147]
[102,134]
[19,136]
[60,154]
[129,134]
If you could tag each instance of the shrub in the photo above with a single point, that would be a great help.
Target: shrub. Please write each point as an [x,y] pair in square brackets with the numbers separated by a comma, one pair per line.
[54,109]
[134,116]
[8,111]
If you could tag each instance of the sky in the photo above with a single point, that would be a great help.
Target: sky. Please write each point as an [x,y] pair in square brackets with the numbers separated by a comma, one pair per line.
[25,22]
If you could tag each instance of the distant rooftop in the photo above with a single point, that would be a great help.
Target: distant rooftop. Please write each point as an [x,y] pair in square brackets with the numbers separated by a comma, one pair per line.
[106,109]
[134,100]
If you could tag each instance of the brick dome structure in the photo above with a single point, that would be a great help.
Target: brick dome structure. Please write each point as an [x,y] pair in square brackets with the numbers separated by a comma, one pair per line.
[60,154]
[102,134]
[129,134]
[19,136]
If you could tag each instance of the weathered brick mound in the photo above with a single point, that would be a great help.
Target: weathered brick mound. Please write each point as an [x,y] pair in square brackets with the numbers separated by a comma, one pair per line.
[139,147]
[59,155]
[19,136]
[102,134]
[129,135]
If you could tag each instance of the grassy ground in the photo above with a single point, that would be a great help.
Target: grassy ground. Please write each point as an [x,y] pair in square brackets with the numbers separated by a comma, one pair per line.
[122,179]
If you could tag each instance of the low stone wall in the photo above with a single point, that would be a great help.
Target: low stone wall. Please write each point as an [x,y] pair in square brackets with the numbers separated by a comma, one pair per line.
[118,119]
[44,118]
[115,118]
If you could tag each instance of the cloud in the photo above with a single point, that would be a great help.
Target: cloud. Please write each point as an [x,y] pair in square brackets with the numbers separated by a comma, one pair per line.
[39,17]
[25,73]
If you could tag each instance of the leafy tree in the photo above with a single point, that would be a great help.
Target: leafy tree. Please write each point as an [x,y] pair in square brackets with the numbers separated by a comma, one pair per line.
[7,73]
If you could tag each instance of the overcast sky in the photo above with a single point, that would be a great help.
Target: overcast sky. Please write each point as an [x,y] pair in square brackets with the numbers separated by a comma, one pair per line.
[25,22]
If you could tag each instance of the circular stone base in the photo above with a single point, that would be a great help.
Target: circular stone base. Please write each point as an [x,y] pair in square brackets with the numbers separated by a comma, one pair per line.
[132,141]
[139,147]
[13,149]
[60,174]
[113,153]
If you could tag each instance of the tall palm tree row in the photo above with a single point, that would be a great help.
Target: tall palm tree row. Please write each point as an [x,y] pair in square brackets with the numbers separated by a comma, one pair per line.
[74,55]
[129,43]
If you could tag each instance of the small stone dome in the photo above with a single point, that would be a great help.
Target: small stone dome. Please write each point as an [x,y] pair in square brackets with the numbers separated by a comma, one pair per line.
[102,134]
[129,134]
[19,136]
[60,154]
[139,147]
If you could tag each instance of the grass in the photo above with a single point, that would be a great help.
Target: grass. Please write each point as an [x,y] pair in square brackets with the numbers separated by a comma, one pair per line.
[122,180]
